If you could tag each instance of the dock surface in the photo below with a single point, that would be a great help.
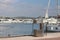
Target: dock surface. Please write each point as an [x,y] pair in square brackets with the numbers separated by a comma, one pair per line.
[49,36]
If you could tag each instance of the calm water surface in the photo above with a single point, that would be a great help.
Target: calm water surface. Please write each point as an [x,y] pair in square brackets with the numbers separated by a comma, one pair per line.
[15,29]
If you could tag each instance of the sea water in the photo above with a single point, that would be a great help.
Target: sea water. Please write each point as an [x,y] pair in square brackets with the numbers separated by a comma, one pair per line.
[17,29]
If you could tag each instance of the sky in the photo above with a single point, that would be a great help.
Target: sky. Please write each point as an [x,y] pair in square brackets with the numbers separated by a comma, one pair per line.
[28,8]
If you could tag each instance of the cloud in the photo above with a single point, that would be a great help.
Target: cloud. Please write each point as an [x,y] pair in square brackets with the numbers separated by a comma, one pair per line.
[6,7]
[5,3]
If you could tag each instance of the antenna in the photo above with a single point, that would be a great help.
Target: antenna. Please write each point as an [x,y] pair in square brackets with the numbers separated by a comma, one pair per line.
[46,15]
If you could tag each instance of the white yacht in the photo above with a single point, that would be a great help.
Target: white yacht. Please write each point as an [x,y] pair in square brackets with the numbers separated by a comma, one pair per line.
[51,23]
[16,21]
[53,27]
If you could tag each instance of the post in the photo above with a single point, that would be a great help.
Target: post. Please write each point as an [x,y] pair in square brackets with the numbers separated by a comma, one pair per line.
[41,29]
[46,27]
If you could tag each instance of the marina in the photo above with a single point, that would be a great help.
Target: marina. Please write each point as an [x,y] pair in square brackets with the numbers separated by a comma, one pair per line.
[17,26]
[29,20]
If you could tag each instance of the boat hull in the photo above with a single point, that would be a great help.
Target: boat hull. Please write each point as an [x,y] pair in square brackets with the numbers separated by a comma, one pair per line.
[53,28]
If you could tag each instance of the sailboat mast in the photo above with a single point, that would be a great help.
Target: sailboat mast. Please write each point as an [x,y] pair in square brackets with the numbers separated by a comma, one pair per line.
[46,15]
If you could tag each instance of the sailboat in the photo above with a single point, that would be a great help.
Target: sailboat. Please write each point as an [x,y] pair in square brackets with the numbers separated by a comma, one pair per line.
[51,23]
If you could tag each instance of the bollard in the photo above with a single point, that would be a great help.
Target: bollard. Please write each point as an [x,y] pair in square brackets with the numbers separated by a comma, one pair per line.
[42,29]
[37,33]
[9,35]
